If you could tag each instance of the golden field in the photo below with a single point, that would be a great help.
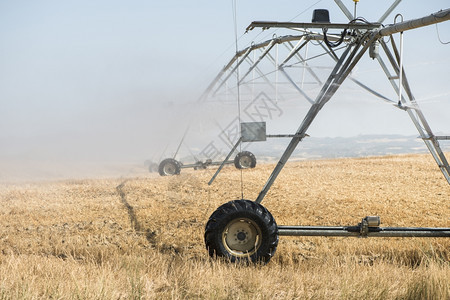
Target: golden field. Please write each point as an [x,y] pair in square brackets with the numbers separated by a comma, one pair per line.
[141,236]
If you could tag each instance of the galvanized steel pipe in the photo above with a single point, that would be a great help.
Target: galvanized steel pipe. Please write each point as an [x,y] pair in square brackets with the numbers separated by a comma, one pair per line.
[441,16]
[348,231]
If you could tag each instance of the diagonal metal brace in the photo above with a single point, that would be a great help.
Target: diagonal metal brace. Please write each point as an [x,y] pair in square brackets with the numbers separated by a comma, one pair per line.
[225,160]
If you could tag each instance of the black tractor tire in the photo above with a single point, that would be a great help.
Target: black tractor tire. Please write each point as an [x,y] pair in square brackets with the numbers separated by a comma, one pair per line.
[169,167]
[245,160]
[242,231]
[153,167]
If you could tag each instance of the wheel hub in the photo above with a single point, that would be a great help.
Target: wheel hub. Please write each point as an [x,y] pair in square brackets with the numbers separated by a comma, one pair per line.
[245,161]
[242,237]
[169,169]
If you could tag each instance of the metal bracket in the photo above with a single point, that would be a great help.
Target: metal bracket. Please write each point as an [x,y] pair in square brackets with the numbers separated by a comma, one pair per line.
[366,223]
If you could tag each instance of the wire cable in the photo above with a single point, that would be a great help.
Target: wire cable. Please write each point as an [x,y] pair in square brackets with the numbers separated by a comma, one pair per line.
[234,8]
[335,44]
[439,37]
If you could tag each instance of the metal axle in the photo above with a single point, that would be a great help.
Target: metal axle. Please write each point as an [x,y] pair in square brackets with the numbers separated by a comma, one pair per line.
[369,227]
[354,231]
[206,164]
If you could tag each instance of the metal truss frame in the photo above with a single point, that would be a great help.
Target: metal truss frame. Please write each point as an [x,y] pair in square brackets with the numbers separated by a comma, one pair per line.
[344,65]
[363,37]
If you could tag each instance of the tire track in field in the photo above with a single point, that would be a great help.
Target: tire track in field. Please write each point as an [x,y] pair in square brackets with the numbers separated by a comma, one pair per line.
[135,224]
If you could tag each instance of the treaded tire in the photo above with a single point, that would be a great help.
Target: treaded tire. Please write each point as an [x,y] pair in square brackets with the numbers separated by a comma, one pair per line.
[169,167]
[242,231]
[245,160]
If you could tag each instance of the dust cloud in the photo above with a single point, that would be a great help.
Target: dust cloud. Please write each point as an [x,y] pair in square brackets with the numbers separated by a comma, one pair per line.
[96,89]
[111,140]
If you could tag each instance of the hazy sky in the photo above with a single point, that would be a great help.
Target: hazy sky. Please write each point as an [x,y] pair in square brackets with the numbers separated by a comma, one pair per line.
[107,79]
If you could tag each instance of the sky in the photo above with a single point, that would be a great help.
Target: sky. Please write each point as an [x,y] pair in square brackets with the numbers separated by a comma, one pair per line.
[115,80]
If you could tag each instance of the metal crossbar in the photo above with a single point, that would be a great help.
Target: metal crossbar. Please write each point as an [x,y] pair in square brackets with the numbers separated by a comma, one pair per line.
[295,25]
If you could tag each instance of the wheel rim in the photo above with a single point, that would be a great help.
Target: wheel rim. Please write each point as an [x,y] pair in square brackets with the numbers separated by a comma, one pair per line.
[242,237]
[169,169]
[245,161]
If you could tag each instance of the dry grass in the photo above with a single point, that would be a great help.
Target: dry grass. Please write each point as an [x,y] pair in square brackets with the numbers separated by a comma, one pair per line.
[142,237]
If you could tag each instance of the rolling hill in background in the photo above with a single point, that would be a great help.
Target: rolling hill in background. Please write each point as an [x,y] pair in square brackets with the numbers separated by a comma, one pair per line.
[33,166]
[340,147]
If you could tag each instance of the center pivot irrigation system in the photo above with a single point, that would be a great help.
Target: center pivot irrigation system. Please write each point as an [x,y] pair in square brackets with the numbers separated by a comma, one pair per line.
[172,166]
[244,230]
